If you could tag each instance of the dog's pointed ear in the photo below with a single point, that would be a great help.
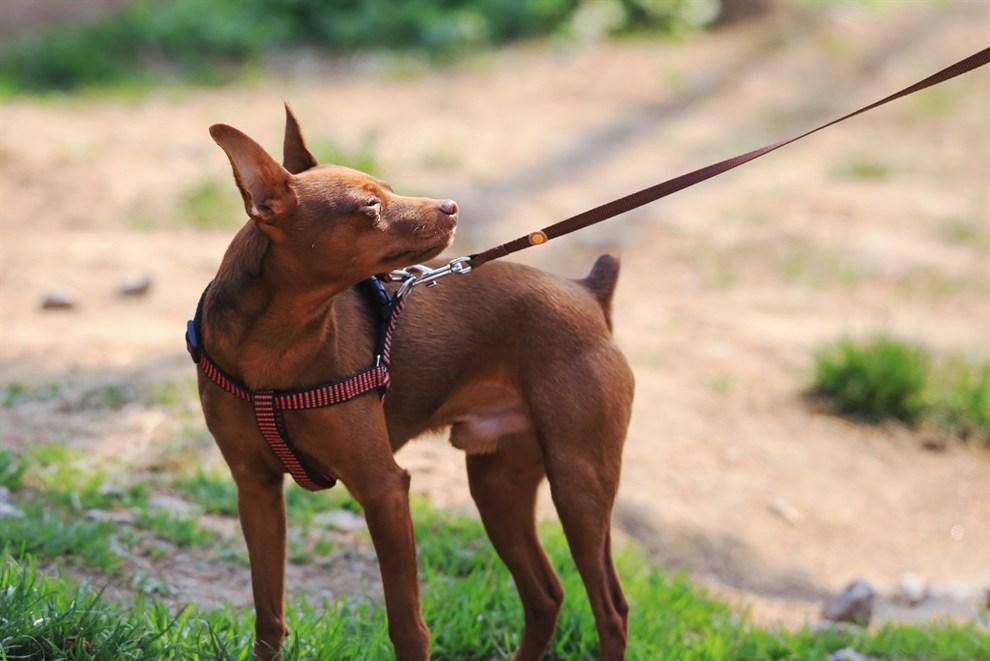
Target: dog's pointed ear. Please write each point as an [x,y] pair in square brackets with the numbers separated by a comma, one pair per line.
[295,156]
[264,184]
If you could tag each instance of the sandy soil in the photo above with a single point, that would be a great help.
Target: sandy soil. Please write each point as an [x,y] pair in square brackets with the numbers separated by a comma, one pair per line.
[726,289]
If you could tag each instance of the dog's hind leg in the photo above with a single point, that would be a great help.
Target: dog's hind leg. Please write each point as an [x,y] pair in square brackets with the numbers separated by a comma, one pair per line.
[504,485]
[582,432]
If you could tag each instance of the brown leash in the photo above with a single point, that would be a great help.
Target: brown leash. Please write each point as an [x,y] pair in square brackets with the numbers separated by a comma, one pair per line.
[663,189]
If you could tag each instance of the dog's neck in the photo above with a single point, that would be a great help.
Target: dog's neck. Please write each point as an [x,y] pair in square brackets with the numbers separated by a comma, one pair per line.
[259,319]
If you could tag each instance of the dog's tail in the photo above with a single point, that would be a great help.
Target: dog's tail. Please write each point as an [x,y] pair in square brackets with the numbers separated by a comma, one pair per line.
[601,283]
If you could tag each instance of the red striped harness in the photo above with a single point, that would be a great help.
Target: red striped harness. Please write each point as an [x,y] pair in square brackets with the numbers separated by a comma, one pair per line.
[268,404]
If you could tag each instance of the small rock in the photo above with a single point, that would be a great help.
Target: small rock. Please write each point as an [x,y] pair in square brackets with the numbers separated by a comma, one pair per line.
[344,520]
[58,300]
[161,547]
[849,654]
[112,490]
[10,511]
[117,548]
[827,627]
[785,511]
[853,604]
[5,496]
[911,589]
[110,516]
[174,505]
[134,286]
[934,444]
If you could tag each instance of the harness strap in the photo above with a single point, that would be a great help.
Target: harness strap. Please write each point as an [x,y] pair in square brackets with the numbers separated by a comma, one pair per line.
[219,377]
[663,189]
[329,394]
[271,427]
[268,404]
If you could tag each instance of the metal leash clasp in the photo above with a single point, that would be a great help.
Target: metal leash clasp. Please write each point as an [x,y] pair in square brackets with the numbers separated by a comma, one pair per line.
[420,274]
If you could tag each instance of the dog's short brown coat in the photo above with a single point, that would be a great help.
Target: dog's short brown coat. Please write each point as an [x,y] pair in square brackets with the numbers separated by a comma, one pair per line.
[519,364]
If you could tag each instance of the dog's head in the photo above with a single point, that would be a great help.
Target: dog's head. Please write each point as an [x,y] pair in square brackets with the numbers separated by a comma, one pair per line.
[334,224]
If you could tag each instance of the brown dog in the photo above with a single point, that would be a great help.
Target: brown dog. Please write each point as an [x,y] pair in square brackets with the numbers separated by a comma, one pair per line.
[519,364]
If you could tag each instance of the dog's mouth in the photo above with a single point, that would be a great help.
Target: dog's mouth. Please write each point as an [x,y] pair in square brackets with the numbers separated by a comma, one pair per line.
[414,256]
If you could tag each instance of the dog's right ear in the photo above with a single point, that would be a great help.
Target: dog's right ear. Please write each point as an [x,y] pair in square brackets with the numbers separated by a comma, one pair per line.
[264,184]
[295,156]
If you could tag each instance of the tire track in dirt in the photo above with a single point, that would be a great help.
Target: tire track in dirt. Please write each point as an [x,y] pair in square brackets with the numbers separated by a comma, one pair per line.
[593,150]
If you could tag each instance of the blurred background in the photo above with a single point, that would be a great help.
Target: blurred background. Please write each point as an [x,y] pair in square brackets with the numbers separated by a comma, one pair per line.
[809,333]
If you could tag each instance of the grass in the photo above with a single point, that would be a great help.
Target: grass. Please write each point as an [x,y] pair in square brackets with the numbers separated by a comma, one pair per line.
[861,168]
[960,231]
[149,43]
[884,378]
[177,395]
[802,262]
[46,534]
[108,396]
[210,41]
[210,204]
[962,398]
[211,490]
[879,379]
[937,101]
[468,600]
[12,394]
[216,493]
[182,531]
[55,488]
[12,469]
[363,158]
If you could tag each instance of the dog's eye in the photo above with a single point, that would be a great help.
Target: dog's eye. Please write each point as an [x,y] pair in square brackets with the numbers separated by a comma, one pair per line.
[371,206]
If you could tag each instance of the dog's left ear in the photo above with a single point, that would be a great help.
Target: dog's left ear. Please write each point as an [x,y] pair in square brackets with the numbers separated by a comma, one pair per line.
[264,184]
[295,156]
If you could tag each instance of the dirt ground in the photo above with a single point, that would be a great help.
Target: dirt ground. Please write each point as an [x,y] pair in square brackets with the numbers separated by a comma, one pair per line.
[731,474]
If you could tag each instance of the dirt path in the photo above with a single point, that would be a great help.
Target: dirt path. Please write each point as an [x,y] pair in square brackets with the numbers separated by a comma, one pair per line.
[725,292]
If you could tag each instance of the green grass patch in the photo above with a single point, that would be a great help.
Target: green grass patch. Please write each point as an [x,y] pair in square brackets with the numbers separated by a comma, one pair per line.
[102,396]
[72,480]
[961,398]
[469,601]
[937,101]
[303,550]
[888,379]
[12,469]
[861,168]
[211,204]
[12,394]
[210,41]
[45,534]
[148,42]
[960,231]
[54,488]
[109,396]
[182,394]
[183,531]
[879,379]
[363,158]
[215,491]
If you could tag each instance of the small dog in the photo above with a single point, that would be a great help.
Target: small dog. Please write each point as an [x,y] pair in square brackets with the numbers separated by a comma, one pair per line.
[519,364]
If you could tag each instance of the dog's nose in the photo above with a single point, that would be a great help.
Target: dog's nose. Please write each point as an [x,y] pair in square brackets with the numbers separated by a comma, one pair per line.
[449,207]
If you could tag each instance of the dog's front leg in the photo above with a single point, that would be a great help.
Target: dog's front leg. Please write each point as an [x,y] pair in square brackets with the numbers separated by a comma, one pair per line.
[384,495]
[260,503]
